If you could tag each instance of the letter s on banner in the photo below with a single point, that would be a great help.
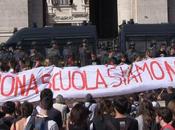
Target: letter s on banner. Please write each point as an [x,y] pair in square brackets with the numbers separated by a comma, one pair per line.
[46,80]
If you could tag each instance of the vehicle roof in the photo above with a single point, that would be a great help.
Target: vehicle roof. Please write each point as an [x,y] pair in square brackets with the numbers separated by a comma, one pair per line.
[52,33]
[148,29]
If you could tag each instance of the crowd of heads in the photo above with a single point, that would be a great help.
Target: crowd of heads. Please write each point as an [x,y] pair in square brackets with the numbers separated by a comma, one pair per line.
[19,58]
[129,112]
[139,111]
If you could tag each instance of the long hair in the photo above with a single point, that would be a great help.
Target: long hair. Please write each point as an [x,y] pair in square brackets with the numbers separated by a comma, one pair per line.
[171,106]
[147,111]
[55,2]
[99,110]
[104,106]
[79,116]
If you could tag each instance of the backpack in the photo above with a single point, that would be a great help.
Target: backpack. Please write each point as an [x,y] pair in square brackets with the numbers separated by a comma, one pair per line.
[37,123]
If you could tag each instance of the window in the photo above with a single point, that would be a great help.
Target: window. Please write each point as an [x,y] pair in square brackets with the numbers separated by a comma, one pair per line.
[62,2]
[86,1]
[55,2]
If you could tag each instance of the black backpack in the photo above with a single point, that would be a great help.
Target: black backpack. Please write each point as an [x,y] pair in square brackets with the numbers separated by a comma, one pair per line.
[37,123]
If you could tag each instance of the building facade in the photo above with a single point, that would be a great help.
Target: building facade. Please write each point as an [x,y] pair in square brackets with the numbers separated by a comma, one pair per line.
[27,13]
[68,12]
[17,14]
[143,11]
[12,16]
[171,11]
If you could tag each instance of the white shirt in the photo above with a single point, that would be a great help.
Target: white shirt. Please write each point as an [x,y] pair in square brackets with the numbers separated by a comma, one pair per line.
[52,125]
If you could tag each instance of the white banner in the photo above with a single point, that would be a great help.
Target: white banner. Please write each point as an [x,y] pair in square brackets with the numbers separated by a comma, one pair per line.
[100,80]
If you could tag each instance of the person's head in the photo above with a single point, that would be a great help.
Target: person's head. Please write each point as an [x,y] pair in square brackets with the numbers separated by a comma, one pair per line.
[34,43]
[22,63]
[8,107]
[79,115]
[151,96]
[110,53]
[170,89]
[84,45]
[15,29]
[46,103]
[145,104]
[132,45]
[47,62]
[18,45]
[163,47]
[84,41]
[171,106]
[60,99]
[131,99]
[136,58]
[123,58]
[12,63]
[173,43]
[153,43]
[171,51]
[111,61]
[104,107]
[26,109]
[108,107]
[121,105]
[89,98]
[93,56]
[141,96]
[146,109]
[148,53]
[163,115]
[69,43]
[54,44]
[46,93]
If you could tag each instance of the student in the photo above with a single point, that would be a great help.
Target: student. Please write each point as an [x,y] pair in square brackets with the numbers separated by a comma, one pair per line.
[53,114]
[61,106]
[121,109]
[103,119]
[171,106]
[90,103]
[41,120]
[164,117]
[146,115]
[26,111]
[79,118]
[8,108]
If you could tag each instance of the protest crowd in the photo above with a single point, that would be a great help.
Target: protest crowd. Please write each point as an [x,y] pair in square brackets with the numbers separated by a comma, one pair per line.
[149,110]
[18,58]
